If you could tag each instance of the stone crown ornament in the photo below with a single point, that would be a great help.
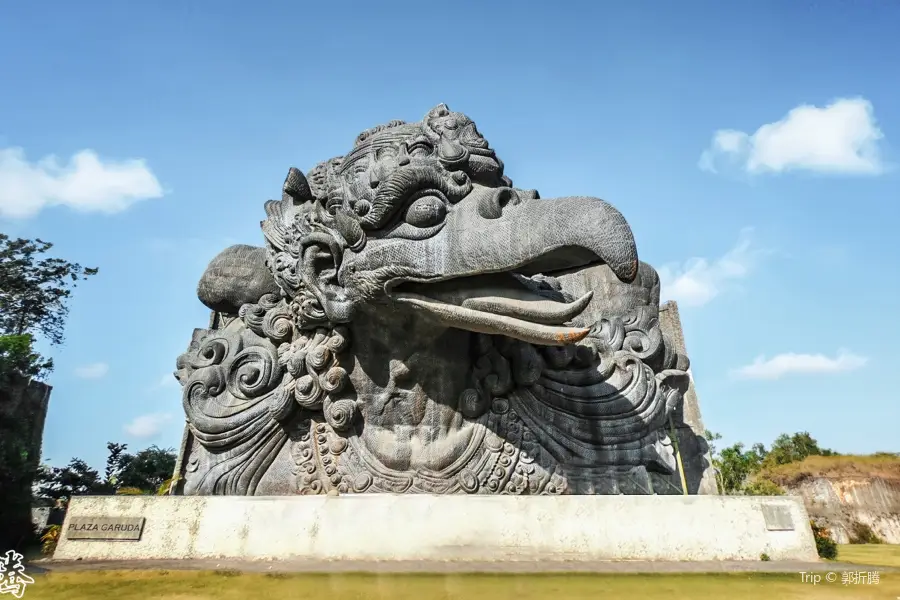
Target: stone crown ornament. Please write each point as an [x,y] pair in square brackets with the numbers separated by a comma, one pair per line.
[415,323]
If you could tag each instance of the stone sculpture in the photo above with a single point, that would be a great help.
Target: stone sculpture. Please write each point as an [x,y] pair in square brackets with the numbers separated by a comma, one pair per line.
[417,324]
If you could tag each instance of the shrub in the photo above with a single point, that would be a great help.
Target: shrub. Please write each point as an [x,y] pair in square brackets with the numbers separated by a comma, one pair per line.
[764,557]
[166,486]
[50,539]
[131,491]
[825,546]
[860,533]
[760,486]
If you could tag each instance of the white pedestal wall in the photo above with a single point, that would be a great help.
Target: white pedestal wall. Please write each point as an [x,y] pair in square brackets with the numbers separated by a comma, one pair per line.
[457,527]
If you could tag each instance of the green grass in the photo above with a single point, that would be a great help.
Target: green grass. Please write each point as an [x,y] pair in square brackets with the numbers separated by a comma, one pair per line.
[886,555]
[195,585]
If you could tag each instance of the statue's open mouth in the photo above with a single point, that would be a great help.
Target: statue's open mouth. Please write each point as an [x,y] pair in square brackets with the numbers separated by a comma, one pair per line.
[497,304]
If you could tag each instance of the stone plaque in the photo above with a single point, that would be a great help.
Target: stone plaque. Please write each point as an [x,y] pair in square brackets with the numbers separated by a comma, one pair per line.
[105,528]
[778,518]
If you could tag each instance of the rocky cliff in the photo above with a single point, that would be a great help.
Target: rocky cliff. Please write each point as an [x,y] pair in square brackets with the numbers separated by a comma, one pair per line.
[848,494]
[841,504]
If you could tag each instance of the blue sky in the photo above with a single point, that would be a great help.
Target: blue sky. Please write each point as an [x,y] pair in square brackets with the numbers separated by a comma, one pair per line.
[751,145]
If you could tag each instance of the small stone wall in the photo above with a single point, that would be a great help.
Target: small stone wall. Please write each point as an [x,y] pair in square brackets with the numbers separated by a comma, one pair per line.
[24,402]
[45,516]
[23,409]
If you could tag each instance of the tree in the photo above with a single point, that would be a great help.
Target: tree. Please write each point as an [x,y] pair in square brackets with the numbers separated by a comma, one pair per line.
[711,438]
[738,465]
[737,468]
[794,448]
[17,357]
[147,470]
[34,291]
[115,462]
[143,472]
[33,296]
[75,479]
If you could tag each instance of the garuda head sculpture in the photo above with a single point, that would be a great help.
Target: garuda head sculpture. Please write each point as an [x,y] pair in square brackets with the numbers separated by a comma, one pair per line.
[415,323]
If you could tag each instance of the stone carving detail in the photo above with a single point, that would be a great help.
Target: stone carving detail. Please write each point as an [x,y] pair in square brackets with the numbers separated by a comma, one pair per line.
[416,324]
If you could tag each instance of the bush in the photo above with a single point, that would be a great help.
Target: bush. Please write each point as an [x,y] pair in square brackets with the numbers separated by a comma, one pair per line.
[131,491]
[825,546]
[166,487]
[764,557]
[50,539]
[860,533]
[761,486]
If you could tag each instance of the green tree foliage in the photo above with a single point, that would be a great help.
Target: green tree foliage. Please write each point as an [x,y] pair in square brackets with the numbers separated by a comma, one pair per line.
[148,469]
[143,472]
[760,486]
[860,533]
[75,479]
[738,467]
[787,449]
[34,290]
[17,358]
[115,462]
[825,546]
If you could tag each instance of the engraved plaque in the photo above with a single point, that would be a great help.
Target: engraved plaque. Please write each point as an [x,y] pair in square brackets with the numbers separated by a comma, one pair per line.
[778,518]
[105,528]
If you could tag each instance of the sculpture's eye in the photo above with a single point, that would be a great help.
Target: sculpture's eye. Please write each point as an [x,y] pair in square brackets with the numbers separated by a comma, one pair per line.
[420,149]
[426,211]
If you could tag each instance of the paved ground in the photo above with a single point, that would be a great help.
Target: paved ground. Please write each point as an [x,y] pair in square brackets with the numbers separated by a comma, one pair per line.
[300,566]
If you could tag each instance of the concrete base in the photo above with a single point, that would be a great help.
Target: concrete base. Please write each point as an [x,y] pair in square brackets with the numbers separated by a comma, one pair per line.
[455,528]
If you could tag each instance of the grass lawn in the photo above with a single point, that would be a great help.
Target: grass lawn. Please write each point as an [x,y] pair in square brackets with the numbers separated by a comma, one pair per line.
[194,585]
[887,555]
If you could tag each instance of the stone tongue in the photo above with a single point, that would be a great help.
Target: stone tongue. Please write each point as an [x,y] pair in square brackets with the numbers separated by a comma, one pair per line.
[493,324]
[501,294]
[537,310]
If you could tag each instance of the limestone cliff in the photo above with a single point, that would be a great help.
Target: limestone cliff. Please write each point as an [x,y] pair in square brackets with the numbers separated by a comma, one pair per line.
[840,503]
[842,492]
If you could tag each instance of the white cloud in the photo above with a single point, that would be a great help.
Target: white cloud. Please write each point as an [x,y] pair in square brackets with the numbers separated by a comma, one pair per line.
[94,371]
[699,280]
[147,426]
[86,183]
[842,137]
[800,364]
[166,381]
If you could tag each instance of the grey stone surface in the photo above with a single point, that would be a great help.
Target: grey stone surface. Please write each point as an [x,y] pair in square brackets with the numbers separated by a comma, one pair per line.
[23,410]
[777,517]
[25,402]
[688,424]
[40,516]
[44,516]
[840,503]
[417,324]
